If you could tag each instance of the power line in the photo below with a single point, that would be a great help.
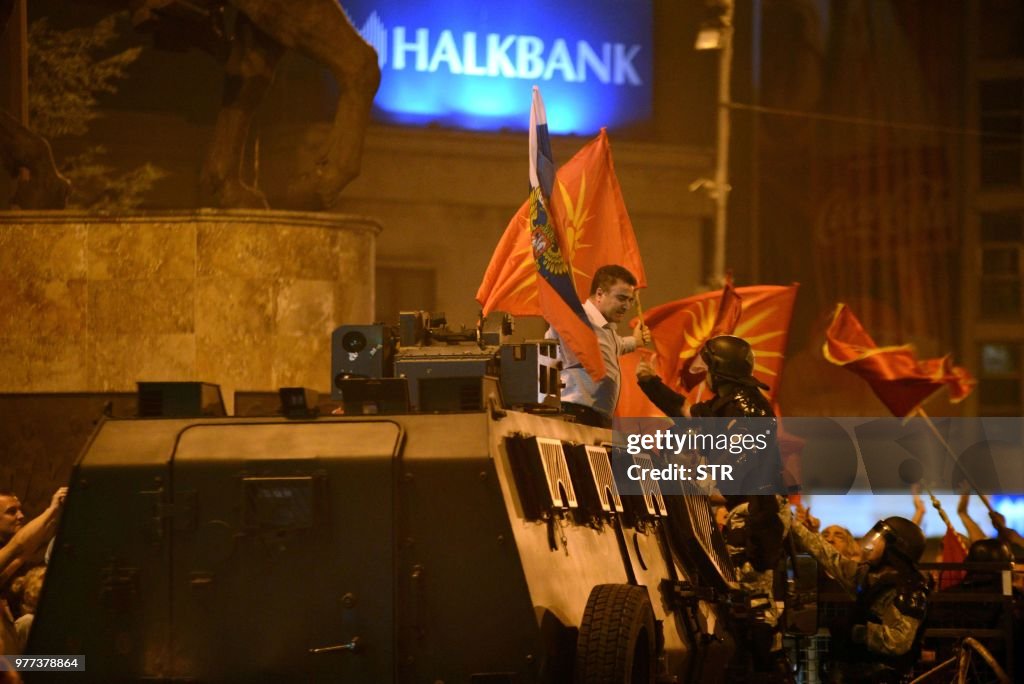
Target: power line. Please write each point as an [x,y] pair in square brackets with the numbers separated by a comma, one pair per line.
[877,123]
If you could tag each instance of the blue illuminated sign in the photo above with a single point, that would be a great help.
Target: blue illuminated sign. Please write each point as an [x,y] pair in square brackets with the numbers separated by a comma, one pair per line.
[471,64]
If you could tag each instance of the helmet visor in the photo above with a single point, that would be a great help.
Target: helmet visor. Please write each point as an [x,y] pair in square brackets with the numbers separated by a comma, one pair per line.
[699,365]
[874,538]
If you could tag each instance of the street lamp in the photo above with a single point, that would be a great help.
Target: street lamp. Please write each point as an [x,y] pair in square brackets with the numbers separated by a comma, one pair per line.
[716,34]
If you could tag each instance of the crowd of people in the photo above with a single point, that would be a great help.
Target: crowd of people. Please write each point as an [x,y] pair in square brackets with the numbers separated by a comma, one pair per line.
[965,601]
[891,600]
[878,637]
[24,546]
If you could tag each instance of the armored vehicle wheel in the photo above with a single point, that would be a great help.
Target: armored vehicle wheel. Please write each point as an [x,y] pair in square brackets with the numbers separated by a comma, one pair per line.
[617,639]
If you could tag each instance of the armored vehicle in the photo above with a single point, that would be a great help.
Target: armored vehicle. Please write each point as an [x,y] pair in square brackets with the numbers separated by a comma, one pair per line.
[488,546]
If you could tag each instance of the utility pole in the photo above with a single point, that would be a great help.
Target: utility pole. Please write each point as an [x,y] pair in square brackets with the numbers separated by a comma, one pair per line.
[717,35]
[720,193]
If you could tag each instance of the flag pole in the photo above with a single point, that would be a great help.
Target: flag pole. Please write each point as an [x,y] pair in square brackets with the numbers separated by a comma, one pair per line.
[937,505]
[640,312]
[942,514]
[949,450]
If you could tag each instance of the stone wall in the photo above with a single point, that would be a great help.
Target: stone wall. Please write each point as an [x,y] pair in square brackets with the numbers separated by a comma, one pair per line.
[244,299]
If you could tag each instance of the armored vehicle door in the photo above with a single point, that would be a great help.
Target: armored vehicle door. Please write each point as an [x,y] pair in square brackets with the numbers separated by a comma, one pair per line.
[282,554]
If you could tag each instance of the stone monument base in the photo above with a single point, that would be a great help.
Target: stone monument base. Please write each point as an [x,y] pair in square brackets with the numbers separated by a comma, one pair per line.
[245,299]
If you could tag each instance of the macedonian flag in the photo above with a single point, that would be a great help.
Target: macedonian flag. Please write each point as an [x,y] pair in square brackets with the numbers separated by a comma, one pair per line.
[586,203]
[730,309]
[679,329]
[898,378]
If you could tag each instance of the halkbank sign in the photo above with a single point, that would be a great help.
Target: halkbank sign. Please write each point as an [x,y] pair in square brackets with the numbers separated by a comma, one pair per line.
[471,63]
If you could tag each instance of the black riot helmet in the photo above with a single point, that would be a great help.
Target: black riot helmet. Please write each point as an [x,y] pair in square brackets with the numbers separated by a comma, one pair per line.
[902,538]
[989,551]
[730,358]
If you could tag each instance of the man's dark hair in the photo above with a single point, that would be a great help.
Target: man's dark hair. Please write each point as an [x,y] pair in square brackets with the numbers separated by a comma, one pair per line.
[8,494]
[607,276]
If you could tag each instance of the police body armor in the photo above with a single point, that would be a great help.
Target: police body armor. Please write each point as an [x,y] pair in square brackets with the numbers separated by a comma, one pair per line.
[853,661]
[754,471]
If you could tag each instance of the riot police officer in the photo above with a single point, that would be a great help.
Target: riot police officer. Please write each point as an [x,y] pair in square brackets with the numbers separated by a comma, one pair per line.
[877,642]
[729,361]
[754,530]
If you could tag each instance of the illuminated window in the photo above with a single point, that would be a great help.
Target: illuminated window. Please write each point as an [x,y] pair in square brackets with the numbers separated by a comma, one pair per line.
[1000,384]
[999,359]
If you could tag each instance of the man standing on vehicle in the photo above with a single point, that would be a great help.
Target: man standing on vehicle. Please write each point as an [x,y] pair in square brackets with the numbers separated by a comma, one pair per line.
[612,295]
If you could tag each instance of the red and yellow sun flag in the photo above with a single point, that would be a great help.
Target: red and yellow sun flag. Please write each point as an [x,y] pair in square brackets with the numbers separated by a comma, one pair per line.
[730,309]
[587,203]
[679,329]
[633,403]
[953,551]
[897,377]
